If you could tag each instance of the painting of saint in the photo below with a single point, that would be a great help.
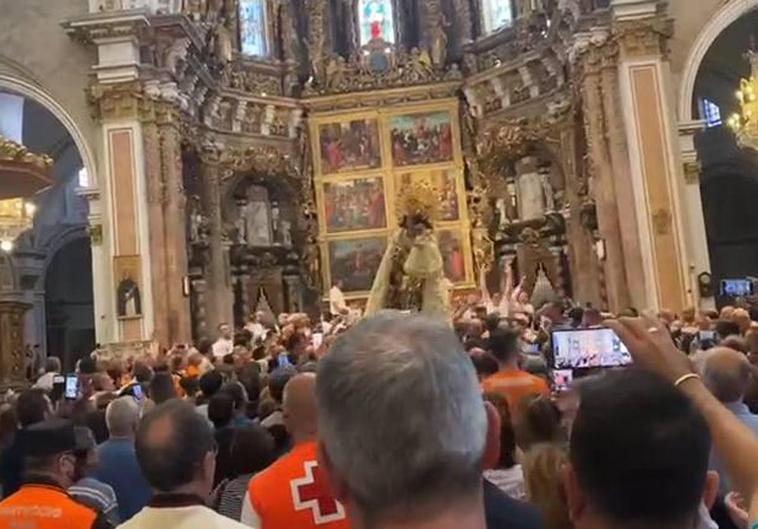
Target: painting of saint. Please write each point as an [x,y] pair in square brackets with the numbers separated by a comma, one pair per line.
[128,295]
[355,205]
[349,146]
[422,138]
[453,258]
[445,182]
[355,262]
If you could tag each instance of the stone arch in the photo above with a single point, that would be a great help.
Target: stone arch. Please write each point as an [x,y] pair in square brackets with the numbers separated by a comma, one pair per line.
[723,18]
[33,91]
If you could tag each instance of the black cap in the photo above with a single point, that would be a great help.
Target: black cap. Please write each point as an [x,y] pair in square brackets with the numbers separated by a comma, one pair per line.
[49,438]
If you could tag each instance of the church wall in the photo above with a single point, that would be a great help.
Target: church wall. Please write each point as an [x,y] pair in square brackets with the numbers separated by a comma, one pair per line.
[32,38]
[689,19]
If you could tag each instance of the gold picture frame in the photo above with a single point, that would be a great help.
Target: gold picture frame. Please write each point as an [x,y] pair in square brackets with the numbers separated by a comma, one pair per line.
[391,178]
[127,278]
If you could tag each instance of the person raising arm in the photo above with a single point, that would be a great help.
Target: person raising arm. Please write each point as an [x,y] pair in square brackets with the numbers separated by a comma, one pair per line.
[652,348]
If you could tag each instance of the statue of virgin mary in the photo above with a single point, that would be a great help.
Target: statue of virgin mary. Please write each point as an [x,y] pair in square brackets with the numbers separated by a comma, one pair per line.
[410,276]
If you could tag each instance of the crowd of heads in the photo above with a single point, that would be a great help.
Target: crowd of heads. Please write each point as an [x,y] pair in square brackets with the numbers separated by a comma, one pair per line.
[410,414]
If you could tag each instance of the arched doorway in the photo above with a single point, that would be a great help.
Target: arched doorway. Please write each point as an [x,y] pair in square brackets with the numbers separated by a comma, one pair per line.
[56,252]
[69,304]
[729,177]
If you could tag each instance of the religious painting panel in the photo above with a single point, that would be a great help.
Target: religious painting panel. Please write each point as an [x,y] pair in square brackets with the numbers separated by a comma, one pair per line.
[355,262]
[454,252]
[357,204]
[423,138]
[252,27]
[126,271]
[349,146]
[445,181]
[376,21]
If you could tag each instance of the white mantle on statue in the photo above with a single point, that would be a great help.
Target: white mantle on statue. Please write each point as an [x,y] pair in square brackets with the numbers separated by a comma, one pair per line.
[160,7]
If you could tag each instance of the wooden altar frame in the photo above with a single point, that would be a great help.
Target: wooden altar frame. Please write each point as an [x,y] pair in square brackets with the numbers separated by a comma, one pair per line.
[390,176]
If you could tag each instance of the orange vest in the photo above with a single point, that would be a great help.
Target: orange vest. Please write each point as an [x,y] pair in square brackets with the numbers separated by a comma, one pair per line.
[44,507]
[515,385]
[292,494]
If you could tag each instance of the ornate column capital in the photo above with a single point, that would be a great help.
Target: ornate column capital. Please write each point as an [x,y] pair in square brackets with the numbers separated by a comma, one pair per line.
[643,37]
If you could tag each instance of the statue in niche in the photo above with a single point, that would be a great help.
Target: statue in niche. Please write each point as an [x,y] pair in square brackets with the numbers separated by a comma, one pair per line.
[128,298]
[223,46]
[254,218]
[240,223]
[502,213]
[438,42]
[547,189]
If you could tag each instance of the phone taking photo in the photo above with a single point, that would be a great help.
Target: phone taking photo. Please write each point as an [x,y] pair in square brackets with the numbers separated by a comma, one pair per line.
[71,391]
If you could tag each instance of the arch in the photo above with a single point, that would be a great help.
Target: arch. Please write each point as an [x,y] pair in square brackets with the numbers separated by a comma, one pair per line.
[708,34]
[41,96]
[61,238]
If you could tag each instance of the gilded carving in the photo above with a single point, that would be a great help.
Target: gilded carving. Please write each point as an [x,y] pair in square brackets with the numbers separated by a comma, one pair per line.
[643,37]
[10,151]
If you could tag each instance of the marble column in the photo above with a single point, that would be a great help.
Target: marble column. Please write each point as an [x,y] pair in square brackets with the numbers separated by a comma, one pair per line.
[178,317]
[219,298]
[694,222]
[655,174]
[156,199]
[602,180]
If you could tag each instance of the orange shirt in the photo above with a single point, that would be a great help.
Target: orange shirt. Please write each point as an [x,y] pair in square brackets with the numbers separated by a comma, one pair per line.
[293,494]
[514,385]
[44,507]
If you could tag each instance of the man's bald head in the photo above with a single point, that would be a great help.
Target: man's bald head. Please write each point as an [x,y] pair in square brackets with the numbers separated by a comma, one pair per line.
[172,443]
[299,405]
[727,374]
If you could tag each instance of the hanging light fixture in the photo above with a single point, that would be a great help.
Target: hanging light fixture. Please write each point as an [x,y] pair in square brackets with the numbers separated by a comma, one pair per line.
[22,175]
[744,123]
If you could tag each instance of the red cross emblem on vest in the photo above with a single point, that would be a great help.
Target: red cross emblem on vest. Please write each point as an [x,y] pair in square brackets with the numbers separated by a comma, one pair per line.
[310,492]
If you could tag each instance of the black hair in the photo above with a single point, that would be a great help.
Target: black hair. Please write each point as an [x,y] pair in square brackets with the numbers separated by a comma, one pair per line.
[485,364]
[87,365]
[190,385]
[252,450]
[576,315]
[31,406]
[162,388]
[507,434]
[492,321]
[221,409]
[210,382]
[639,449]
[174,458]
[204,346]
[504,344]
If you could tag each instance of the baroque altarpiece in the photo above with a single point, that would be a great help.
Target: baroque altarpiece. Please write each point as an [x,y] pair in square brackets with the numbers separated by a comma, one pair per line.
[276,136]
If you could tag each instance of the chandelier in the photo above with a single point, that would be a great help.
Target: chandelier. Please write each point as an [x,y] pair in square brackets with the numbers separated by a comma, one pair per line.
[22,175]
[744,123]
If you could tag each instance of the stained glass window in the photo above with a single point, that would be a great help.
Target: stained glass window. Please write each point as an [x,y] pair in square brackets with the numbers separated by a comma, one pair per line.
[497,14]
[711,112]
[375,20]
[253,27]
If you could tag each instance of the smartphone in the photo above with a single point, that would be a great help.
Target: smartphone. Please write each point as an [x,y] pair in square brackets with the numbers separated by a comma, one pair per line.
[587,348]
[562,379]
[59,381]
[705,336]
[283,360]
[736,288]
[71,391]
[137,391]
[317,338]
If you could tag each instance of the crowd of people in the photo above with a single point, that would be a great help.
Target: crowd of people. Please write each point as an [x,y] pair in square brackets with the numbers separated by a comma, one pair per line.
[398,421]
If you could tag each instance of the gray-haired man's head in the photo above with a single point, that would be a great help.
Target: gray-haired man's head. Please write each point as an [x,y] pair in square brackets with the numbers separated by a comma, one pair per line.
[402,424]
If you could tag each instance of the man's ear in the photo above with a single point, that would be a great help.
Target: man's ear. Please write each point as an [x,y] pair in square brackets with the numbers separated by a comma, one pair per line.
[333,481]
[711,488]
[491,456]
[576,500]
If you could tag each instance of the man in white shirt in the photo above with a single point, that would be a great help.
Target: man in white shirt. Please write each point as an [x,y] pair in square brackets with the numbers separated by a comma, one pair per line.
[176,452]
[255,327]
[224,345]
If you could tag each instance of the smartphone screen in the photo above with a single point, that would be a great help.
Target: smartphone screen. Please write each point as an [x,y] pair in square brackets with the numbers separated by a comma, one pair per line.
[317,339]
[736,288]
[59,381]
[71,391]
[137,390]
[562,379]
[586,348]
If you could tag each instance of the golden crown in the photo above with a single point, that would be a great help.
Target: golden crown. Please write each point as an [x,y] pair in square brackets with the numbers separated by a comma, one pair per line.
[419,198]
